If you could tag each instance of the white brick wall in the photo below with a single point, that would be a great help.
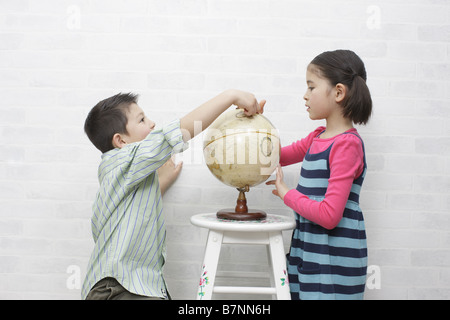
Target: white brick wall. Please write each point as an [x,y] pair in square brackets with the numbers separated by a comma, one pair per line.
[59,57]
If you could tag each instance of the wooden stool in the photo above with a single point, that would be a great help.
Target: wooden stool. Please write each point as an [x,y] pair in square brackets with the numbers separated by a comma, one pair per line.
[264,232]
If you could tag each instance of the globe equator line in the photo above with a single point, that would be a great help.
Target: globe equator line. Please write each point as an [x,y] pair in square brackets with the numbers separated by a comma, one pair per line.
[232,134]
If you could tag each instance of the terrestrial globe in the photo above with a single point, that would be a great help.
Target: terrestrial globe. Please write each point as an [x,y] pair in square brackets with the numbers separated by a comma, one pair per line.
[241,151]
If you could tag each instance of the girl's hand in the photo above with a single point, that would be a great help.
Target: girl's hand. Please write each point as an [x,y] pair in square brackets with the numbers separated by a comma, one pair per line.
[280,186]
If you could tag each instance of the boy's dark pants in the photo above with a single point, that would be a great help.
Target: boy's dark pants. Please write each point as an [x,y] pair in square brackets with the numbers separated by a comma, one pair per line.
[111,289]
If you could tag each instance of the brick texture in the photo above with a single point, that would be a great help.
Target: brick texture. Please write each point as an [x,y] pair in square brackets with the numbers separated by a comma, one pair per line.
[59,57]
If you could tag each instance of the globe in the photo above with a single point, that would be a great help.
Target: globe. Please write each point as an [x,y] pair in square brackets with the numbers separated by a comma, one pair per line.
[241,151]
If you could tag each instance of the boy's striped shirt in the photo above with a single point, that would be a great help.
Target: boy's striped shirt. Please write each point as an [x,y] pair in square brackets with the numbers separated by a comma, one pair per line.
[128,221]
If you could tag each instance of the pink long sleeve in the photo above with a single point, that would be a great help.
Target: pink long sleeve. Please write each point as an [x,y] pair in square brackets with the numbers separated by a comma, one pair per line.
[346,164]
[297,151]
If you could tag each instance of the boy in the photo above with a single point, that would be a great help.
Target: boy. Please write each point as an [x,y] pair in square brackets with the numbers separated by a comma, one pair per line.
[127,222]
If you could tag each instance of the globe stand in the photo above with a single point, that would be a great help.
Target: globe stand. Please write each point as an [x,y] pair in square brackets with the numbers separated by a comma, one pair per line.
[241,212]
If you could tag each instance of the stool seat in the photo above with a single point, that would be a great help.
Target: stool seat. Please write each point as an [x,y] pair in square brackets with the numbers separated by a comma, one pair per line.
[263,232]
[271,223]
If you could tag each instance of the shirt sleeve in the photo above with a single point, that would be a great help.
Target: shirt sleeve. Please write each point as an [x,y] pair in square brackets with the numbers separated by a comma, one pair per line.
[296,152]
[150,154]
[346,164]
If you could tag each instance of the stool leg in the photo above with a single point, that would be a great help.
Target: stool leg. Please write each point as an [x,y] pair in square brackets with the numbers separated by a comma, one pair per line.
[271,278]
[279,265]
[210,262]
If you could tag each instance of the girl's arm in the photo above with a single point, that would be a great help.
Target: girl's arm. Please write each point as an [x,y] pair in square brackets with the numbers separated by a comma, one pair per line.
[296,152]
[346,164]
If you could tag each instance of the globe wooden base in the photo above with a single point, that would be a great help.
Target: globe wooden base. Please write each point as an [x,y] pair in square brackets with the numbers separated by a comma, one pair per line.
[241,212]
[230,214]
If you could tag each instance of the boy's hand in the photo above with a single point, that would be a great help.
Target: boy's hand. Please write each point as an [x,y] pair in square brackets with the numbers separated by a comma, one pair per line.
[168,173]
[210,110]
[280,186]
[247,101]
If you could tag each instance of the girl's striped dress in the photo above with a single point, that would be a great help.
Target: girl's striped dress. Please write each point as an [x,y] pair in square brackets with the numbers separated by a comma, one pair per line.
[323,263]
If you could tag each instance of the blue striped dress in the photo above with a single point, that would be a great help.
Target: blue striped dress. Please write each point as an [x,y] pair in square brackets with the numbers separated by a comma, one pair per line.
[322,263]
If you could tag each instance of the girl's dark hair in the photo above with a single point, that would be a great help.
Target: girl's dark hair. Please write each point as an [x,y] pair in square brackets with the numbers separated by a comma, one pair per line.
[107,118]
[345,67]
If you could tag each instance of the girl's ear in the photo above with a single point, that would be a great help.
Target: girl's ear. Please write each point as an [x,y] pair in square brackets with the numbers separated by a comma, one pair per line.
[117,141]
[341,92]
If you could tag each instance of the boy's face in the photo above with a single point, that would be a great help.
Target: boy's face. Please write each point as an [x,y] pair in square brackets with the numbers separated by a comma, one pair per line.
[138,125]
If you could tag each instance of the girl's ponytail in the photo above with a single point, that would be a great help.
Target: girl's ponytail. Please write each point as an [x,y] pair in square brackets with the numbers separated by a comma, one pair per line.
[344,66]
[358,104]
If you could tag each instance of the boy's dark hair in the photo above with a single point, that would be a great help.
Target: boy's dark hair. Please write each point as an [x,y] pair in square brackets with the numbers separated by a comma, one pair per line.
[107,118]
[344,66]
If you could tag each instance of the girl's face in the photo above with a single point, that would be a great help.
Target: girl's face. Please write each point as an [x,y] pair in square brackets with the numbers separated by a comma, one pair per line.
[319,96]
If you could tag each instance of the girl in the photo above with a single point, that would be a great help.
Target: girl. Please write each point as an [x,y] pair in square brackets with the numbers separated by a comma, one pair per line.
[328,255]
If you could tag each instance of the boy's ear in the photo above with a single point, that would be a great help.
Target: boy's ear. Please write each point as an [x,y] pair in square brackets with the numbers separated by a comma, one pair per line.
[117,141]
[341,92]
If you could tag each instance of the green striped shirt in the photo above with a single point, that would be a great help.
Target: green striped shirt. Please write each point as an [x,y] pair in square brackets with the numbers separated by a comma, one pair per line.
[128,222]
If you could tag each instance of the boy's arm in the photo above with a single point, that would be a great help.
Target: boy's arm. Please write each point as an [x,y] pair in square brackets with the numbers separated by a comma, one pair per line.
[149,155]
[141,159]
[210,110]
[167,174]
[206,114]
